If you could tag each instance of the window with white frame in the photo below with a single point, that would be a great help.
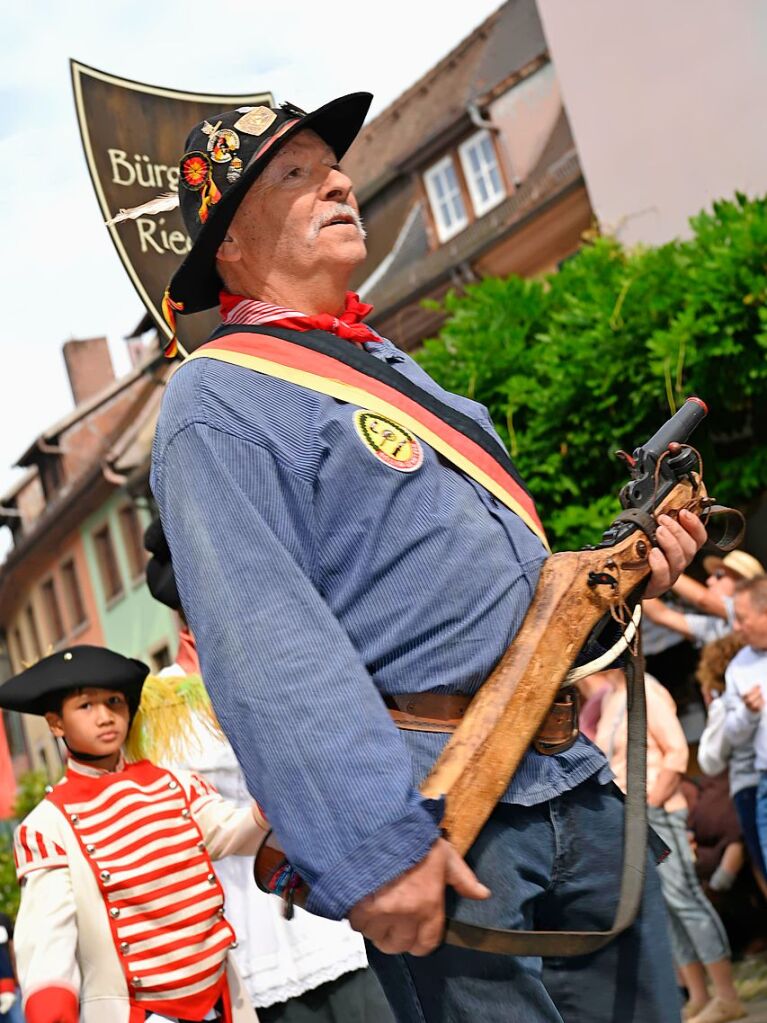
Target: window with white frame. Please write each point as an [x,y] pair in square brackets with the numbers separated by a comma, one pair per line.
[482,173]
[445,198]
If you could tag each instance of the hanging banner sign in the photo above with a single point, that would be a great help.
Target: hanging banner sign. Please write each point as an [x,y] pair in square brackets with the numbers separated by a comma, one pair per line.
[133,136]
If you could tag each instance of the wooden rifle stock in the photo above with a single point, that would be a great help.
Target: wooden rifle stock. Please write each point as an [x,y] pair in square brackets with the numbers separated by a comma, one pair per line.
[483,753]
[574,592]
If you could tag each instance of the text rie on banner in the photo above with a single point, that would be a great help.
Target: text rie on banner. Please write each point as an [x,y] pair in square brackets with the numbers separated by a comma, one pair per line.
[133,135]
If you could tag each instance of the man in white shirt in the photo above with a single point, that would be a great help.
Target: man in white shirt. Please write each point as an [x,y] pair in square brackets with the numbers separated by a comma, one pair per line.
[746,687]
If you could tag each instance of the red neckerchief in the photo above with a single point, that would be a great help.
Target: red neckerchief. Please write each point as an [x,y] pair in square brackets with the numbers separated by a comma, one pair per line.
[186,655]
[349,325]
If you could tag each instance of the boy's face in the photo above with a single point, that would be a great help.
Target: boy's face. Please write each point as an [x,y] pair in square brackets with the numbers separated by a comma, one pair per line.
[94,721]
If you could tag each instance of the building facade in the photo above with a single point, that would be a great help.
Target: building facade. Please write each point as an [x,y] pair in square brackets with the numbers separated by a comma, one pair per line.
[75,572]
[472,172]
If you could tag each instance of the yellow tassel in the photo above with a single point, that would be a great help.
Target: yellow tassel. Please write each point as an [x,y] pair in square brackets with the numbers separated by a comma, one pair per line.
[209,196]
[170,706]
[169,310]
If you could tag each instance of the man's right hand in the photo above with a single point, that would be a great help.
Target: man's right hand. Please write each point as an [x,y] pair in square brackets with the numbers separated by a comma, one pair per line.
[754,699]
[408,913]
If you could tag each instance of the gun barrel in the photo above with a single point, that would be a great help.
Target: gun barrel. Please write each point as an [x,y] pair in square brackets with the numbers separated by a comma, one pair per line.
[678,428]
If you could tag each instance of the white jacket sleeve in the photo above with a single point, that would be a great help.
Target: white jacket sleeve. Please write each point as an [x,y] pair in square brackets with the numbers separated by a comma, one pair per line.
[45,937]
[714,749]
[227,829]
[741,723]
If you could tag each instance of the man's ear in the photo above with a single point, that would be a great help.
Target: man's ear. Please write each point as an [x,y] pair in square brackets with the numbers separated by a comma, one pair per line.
[229,250]
[55,724]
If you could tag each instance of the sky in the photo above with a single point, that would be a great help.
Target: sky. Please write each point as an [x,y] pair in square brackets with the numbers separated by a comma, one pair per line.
[60,276]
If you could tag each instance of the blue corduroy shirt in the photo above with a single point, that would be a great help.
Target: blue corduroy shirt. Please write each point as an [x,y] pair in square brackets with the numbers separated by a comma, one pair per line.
[316,578]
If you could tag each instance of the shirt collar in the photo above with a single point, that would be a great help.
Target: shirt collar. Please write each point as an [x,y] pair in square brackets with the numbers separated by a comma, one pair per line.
[89,771]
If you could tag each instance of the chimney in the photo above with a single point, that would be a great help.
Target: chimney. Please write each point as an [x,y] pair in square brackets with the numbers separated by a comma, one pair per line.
[89,367]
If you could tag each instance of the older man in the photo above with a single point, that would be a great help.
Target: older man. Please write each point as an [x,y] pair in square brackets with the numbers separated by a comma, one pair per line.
[330,558]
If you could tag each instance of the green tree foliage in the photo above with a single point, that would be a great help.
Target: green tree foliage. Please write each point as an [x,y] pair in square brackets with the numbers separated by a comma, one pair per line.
[596,356]
[31,790]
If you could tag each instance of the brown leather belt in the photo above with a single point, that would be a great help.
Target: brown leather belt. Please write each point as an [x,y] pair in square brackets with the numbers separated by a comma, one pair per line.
[443,712]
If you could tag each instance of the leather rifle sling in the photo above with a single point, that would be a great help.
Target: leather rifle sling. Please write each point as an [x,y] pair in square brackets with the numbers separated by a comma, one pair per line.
[576,943]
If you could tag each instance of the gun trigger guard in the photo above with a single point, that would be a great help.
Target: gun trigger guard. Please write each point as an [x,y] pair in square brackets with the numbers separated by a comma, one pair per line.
[644,520]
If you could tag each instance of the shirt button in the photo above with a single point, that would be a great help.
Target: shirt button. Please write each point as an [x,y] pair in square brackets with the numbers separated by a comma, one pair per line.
[185,812]
[136,981]
[211,878]
[105,875]
[172,785]
[90,849]
[234,944]
[124,947]
[48,788]
[74,818]
[114,912]
[220,913]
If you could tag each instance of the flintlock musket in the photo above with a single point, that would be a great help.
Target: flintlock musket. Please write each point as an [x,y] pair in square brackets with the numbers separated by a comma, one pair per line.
[575,591]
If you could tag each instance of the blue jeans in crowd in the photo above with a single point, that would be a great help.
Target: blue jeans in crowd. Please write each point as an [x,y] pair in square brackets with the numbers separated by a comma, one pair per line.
[14,1014]
[745,807]
[697,933]
[555,866]
[761,813]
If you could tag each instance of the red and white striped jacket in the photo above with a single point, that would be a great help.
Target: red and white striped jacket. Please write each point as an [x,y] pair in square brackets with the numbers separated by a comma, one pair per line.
[121,910]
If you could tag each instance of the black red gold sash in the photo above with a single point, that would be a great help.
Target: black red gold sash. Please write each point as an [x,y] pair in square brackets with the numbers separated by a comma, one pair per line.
[316,360]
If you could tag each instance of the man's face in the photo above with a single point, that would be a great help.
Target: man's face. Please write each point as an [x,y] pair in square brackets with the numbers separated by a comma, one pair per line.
[750,623]
[94,721]
[299,217]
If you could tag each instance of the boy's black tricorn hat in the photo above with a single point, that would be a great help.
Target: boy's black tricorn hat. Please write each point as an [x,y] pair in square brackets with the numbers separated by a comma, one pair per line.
[78,667]
[223,157]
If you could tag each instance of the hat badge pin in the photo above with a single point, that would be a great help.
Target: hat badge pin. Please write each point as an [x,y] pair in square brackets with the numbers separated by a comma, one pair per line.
[256,120]
[223,143]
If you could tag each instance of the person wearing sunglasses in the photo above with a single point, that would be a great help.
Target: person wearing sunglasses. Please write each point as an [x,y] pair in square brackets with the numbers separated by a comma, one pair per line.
[713,616]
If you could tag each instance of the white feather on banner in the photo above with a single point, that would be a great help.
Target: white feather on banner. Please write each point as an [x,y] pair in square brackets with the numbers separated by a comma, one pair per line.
[160,204]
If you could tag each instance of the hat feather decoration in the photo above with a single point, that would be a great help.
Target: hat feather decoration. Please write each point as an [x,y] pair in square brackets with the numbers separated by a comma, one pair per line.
[162,203]
[163,725]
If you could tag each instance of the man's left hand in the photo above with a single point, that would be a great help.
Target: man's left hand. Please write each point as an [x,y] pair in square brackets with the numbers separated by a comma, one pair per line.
[678,543]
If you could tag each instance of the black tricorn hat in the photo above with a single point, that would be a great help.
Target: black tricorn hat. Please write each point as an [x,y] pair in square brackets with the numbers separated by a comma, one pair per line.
[160,577]
[223,157]
[31,691]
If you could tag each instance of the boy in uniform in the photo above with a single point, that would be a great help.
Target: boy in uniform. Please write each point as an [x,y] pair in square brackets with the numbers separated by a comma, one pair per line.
[121,912]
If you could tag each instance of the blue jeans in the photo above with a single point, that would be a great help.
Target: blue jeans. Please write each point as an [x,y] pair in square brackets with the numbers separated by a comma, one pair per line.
[697,933]
[14,1014]
[745,807]
[761,813]
[552,866]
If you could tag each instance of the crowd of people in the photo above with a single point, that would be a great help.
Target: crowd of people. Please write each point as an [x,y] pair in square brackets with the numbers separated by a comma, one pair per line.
[715,826]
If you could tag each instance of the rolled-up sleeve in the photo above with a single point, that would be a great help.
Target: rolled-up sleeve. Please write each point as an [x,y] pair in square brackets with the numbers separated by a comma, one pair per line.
[315,742]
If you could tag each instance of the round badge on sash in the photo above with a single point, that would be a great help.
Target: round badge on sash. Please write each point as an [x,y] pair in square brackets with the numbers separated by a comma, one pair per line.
[389,442]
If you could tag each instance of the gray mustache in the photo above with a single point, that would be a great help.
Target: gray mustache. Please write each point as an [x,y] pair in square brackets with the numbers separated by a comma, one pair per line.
[338,210]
